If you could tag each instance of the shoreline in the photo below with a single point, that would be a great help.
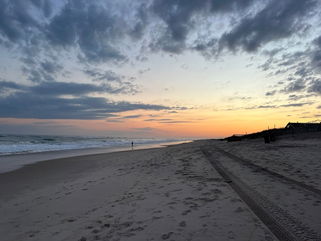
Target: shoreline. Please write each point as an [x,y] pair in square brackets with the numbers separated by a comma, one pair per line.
[9,163]
[170,193]
[202,190]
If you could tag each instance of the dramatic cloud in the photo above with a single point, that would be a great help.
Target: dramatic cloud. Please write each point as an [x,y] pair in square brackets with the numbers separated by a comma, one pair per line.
[100,36]
[315,87]
[295,86]
[109,78]
[279,19]
[99,29]
[89,26]
[52,107]
[47,101]
[316,55]
[62,88]
[16,19]
[180,16]
[98,75]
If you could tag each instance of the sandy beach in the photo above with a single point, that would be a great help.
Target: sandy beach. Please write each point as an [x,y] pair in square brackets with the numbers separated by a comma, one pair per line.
[203,190]
[155,120]
[168,193]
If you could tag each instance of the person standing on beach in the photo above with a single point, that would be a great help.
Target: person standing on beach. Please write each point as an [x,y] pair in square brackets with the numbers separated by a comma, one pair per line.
[132,145]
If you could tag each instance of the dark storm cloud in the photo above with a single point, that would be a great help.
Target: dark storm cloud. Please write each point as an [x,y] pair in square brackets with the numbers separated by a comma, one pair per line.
[316,54]
[99,75]
[110,78]
[16,19]
[295,86]
[315,87]
[44,5]
[46,101]
[62,88]
[294,69]
[40,31]
[178,16]
[138,30]
[89,26]
[38,75]
[25,105]
[50,67]
[279,19]
[4,85]
[97,28]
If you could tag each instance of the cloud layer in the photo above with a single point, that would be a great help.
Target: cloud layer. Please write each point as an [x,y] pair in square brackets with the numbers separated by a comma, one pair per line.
[43,34]
[49,101]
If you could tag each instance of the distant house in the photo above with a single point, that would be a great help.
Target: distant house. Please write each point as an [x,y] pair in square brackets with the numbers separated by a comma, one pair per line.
[303,127]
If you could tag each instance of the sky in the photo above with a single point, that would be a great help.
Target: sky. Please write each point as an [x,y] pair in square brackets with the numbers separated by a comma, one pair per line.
[158,68]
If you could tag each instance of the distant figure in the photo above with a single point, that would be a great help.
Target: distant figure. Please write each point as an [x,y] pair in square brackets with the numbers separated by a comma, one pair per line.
[132,145]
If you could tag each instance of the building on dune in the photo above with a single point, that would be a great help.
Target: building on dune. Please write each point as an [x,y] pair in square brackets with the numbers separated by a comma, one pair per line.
[271,135]
[303,127]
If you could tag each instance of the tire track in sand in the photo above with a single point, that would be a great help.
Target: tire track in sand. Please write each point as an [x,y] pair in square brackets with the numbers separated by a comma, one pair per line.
[280,222]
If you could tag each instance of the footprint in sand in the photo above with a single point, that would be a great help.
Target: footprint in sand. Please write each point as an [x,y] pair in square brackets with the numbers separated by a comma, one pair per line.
[216,191]
[70,220]
[96,237]
[95,231]
[106,225]
[186,212]
[138,229]
[182,224]
[167,235]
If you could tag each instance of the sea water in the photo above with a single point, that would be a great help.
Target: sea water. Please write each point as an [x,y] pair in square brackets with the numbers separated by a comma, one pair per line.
[17,151]
[18,144]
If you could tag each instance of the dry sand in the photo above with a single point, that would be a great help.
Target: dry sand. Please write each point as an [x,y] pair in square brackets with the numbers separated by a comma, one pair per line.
[298,156]
[168,193]
[286,172]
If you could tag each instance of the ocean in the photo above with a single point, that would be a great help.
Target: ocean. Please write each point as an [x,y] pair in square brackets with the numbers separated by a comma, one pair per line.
[17,151]
[21,144]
